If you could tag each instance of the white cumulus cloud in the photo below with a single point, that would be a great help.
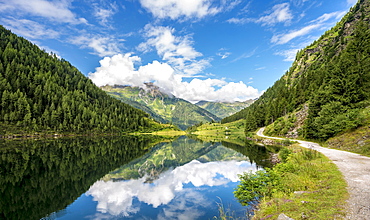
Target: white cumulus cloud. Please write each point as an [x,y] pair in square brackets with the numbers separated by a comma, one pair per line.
[120,69]
[176,50]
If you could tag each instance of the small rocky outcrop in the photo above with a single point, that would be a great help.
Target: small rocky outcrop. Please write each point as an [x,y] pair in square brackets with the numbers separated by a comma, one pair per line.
[282,216]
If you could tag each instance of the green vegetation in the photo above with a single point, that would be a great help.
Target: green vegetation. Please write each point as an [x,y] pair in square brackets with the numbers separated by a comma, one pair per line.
[281,126]
[355,140]
[169,130]
[257,154]
[161,106]
[305,185]
[41,93]
[41,177]
[331,77]
[223,109]
[214,128]
[232,136]
[215,132]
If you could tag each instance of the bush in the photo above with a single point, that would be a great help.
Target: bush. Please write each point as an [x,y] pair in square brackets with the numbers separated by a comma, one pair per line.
[294,174]
[284,153]
[256,185]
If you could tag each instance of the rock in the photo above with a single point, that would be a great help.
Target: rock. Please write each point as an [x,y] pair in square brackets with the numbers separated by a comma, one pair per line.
[361,143]
[274,158]
[304,216]
[268,142]
[300,192]
[282,216]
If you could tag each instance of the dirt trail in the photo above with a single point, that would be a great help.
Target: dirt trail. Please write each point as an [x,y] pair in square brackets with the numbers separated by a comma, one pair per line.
[356,171]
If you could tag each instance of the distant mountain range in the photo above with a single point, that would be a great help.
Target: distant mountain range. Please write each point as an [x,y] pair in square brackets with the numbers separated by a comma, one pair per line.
[162,107]
[224,109]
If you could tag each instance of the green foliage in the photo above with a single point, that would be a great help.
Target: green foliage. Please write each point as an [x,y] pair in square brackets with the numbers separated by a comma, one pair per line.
[40,177]
[332,75]
[253,186]
[39,92]
[356,140]
[321,185]
[264,183]
[281,126]
[284,154]
[287,142]
[256,154]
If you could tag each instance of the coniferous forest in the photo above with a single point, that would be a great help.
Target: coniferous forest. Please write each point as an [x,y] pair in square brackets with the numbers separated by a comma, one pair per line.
[331,77]
[41,92]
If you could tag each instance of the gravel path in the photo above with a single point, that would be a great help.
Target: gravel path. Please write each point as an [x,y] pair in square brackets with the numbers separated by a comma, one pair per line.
[356,171]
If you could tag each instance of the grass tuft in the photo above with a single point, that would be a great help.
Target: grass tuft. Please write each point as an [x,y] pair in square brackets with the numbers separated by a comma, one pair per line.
[307,186]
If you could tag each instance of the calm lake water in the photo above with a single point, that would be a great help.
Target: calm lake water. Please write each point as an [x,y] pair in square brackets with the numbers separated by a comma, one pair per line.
[123,178]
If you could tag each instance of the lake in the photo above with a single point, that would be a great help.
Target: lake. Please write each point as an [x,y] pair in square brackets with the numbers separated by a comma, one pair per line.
[126,177]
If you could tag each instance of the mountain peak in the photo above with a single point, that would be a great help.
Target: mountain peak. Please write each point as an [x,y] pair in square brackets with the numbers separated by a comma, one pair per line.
[162,107]
[155,91]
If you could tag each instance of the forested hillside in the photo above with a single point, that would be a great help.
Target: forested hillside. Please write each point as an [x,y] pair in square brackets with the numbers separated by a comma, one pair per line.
[40,92]
[329,80]
[161,106]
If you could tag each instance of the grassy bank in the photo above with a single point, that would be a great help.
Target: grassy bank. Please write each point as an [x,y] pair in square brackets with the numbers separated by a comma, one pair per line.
[169,133]
[19,132]
[306,185]
[357,140]
[231,132]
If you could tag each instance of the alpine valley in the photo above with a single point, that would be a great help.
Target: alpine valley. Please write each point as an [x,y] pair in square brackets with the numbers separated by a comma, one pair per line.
[162,107]
[170,109]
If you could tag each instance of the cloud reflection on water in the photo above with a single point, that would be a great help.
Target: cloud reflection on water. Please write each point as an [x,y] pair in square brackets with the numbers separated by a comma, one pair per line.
[116,198]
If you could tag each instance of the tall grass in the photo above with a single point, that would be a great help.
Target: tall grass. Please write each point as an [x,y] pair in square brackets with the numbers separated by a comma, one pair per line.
[306,186]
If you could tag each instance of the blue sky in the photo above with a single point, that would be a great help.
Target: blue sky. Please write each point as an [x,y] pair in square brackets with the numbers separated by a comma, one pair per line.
[215,50]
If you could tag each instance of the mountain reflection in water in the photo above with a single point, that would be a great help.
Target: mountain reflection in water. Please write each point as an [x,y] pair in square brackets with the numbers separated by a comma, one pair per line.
[123,178]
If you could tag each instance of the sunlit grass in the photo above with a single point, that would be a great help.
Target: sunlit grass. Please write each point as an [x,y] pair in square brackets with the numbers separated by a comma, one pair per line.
[357,141]
[232,132]
[309,186]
